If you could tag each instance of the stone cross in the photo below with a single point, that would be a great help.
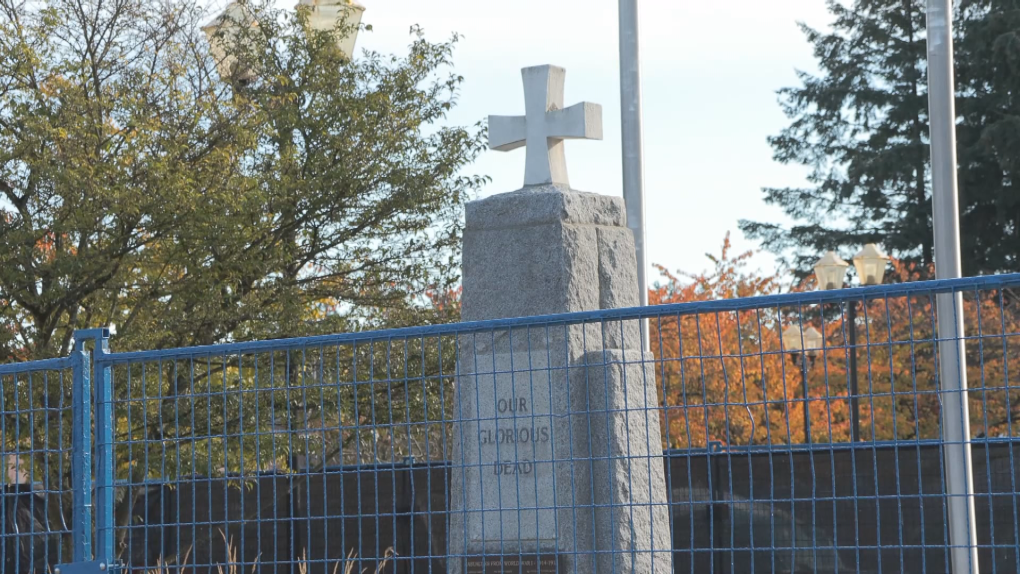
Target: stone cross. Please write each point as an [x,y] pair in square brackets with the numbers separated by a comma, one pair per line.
[544,126]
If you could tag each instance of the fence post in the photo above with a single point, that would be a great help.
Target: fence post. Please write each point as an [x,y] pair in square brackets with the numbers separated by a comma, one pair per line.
[81,454]
[104,487]
[105,547]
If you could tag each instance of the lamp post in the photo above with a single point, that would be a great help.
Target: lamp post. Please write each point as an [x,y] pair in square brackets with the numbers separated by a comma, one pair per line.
[222,32]
[803,346]
[322,15]
[633,159]
[830,271]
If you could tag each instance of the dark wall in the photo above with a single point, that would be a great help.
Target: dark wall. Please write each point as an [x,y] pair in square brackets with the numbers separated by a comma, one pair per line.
[367,512]
[294,524]
[870,509]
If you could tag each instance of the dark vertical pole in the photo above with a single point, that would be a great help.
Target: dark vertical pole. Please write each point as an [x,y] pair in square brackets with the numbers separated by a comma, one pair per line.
[805,364]
[855,403]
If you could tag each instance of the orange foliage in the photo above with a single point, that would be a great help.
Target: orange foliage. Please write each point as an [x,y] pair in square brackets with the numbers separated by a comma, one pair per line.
[724,376]
[445,300]
[719,376]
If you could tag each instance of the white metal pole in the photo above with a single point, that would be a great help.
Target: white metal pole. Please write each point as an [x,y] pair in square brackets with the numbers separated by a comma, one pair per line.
[952,361]
[633,161]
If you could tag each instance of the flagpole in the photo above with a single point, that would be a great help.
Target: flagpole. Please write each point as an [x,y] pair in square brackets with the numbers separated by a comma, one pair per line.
[946,219]
[633,162]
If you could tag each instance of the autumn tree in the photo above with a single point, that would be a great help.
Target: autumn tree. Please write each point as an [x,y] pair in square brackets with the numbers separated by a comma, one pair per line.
[724,376]
[717,383]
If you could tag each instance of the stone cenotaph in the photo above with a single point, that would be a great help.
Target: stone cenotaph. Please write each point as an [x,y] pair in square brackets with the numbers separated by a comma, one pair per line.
[557,453]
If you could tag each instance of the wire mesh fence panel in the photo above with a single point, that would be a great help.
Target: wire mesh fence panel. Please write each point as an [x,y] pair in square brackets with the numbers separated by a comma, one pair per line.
[807,435]
[296,457]
[35,466]
[434,450]
[793,433]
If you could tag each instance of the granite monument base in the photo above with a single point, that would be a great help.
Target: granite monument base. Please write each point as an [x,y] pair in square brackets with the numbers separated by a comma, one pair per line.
[556,451]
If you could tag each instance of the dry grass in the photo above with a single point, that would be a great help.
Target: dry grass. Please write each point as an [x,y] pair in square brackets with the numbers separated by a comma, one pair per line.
[348,564]
[233,561]
[163,567]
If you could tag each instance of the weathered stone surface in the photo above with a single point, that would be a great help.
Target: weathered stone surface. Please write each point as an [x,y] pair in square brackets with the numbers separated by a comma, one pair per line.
[546,250]
[631,513]
[508,434]
[590,489]
[546,204]
[527,505]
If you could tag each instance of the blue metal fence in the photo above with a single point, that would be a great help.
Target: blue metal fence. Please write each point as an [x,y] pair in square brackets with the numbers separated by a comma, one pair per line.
[43,483]
[336,454]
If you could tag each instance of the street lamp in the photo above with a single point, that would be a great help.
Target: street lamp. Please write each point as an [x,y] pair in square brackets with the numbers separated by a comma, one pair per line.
[830,271]
[221,32]
[870,264]
[322,15]
[803,346]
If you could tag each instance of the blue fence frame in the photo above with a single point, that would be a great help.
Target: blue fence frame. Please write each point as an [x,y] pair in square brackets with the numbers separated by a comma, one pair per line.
[57,434]
[261,410]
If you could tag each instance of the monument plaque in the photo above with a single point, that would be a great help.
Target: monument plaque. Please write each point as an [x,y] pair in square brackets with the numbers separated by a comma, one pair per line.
[513,564]
[508,437]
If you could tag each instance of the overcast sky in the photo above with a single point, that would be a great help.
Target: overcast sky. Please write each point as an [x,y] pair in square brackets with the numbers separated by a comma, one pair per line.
[710,72]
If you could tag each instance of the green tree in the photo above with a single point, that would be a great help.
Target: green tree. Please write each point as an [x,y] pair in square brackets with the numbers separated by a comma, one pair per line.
[142,190]
[861,126]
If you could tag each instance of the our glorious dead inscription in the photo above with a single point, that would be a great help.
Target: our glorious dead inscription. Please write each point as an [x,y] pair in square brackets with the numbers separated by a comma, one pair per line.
[513,440]
[508,445]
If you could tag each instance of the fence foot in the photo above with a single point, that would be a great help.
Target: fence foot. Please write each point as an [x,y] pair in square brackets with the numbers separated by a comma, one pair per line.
[93,567]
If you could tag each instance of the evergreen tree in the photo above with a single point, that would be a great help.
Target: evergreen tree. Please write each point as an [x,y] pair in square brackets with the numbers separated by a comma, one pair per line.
[988,136]
[861,125]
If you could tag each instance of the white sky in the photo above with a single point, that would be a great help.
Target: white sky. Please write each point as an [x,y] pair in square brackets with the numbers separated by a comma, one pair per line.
[710,71]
